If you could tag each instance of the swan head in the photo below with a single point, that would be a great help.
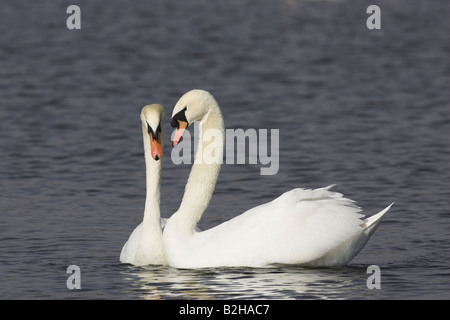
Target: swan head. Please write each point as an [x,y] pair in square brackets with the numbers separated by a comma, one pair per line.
[192,106]
[152,117]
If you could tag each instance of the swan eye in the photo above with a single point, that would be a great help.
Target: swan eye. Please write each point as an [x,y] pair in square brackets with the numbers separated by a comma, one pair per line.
[154,134]
[158,130]
[180,116]
[149,129]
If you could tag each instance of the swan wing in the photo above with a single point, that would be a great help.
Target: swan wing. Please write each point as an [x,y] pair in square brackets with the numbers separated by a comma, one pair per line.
[135,241]
[129,249]
[343,253]
[300,226]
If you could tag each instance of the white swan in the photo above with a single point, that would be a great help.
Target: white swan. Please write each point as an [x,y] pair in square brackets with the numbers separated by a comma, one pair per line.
[307,227]
[145,245]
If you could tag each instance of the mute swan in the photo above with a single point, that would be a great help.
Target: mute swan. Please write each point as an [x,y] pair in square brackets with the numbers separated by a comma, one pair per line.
[306,227]
[145,245]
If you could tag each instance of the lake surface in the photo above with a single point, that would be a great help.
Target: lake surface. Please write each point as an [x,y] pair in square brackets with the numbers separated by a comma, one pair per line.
[368,110]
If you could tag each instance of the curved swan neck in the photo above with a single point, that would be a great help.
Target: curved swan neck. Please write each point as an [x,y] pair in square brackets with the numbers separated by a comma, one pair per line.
[152,214]
[205,170]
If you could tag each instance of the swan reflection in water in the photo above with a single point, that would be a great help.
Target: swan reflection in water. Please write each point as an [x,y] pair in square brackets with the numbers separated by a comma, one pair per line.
[282,282]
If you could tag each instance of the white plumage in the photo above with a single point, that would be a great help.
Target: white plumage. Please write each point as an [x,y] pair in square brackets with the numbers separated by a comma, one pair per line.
[145,244]
[306,227]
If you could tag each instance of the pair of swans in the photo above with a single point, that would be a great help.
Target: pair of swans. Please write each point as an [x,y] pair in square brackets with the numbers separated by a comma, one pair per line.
[302,226]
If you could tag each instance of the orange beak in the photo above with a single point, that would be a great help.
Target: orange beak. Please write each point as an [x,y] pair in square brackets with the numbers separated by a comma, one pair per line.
[179,132]
[155,146]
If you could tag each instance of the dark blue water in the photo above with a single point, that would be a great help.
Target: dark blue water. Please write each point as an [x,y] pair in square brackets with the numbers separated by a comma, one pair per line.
[367,110]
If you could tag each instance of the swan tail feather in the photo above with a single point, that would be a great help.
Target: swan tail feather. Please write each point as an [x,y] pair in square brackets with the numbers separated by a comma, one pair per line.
[376,218]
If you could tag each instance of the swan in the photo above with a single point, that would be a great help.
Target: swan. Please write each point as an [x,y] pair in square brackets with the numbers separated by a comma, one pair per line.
[145,245]
[302,226]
